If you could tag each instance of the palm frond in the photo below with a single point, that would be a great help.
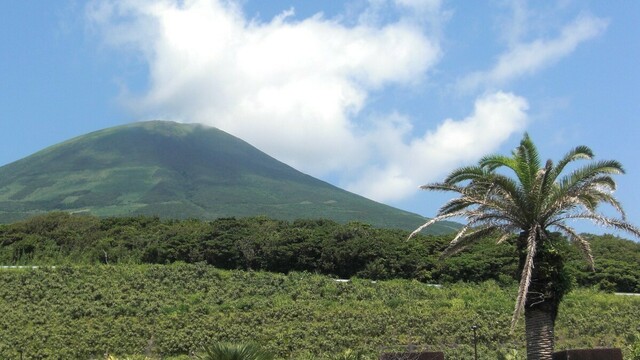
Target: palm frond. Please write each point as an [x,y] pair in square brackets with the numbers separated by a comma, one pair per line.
[529,161]
[525,278]
[615,204]
[493,162]
[602,221]
[590,171]
[547,181]
[579,241]
[578,153]
[442,187]
[227,351]
[588,200]
[464,174]
[483,217]
[504,238]
[508,188]
[462,240]
[538,190]
[433,221]
[586,193]
[454,243]
[605,182]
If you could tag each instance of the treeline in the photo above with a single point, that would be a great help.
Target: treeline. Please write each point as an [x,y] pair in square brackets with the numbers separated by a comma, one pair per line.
[317,246]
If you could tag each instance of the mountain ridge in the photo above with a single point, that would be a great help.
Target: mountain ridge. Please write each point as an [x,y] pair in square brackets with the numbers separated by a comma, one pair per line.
[175,170]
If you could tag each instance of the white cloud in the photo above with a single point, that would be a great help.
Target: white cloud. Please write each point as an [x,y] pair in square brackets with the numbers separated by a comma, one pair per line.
[289,87]
[517,24]
[296,89]
[409,164]
[421,6]
[527,58]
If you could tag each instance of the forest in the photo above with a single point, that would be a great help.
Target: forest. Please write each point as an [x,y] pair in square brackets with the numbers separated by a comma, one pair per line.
[316,246]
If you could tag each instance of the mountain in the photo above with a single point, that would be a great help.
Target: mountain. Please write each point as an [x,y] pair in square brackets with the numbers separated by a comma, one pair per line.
[178,171]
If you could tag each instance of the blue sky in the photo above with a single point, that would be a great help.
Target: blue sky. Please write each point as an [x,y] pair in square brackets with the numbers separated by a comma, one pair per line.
[376,96]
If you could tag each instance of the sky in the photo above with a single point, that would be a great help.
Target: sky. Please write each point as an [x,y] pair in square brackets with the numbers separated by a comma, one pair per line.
[374,96]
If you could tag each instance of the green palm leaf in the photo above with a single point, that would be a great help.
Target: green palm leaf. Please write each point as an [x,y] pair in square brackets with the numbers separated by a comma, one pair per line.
[227,351]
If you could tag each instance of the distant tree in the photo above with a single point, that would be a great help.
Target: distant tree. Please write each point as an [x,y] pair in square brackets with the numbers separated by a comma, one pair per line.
[531,203]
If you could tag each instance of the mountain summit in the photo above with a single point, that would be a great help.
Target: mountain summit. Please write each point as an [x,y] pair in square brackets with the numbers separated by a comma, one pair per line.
[177,170]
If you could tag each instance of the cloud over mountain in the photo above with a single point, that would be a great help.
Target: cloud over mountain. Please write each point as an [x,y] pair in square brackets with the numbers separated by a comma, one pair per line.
[299,89]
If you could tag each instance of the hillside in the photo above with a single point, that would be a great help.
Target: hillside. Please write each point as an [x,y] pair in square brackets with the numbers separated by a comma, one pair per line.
[180,171]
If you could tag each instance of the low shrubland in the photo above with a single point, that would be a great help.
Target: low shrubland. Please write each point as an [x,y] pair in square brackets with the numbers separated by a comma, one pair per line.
[174,311]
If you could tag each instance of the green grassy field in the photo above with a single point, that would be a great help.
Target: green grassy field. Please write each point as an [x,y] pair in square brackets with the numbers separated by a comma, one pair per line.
[169,311]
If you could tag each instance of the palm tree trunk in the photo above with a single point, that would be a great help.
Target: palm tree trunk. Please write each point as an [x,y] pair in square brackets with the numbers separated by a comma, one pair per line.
[539,323]
[549,283]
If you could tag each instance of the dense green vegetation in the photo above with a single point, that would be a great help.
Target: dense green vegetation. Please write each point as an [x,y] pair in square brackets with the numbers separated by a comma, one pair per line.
[170,311]
[173,170]
[150,287]
[317,246]
[84,308]
[230,351]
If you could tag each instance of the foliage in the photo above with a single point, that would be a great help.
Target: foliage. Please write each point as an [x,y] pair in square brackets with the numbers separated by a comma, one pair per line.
[509,196]
[634,349]
[319,246]
[348,355]
[227,351]
[517,196]
[511,354]
[171,311]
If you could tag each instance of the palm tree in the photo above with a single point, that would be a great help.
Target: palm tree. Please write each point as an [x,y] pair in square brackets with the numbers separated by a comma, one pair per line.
[515,198]
[226,351]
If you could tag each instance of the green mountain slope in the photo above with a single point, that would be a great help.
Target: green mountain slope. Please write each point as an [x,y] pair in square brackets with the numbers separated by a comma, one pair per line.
[177,171]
